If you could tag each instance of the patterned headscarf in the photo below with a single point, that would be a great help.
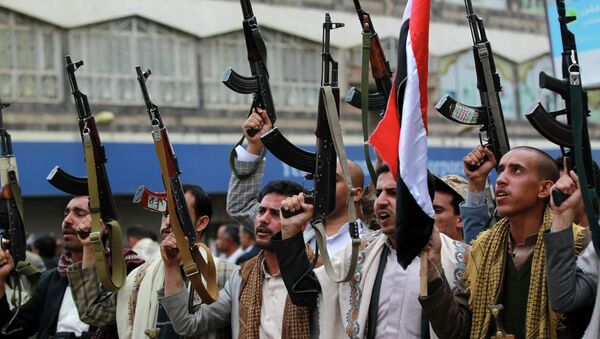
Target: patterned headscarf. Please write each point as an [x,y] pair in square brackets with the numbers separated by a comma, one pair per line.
[487,261]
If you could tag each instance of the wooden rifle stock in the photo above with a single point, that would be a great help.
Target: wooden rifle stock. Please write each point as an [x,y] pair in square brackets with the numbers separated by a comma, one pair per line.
[195,267]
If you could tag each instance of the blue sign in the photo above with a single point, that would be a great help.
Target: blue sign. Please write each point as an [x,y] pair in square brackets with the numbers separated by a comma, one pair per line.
[585,29]
[133,164]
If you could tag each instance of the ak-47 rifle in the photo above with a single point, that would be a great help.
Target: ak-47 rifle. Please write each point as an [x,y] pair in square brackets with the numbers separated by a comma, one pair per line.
[380,67]
[11,194]
[97,186]
[329,144]
[573,137]
[258,86]
[188,244]
[489,115]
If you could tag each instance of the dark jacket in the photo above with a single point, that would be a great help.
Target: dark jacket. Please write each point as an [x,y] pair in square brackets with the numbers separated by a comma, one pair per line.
[40,313]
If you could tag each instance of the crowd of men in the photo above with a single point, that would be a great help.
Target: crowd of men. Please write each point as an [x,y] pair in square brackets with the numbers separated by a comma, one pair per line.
[532,259]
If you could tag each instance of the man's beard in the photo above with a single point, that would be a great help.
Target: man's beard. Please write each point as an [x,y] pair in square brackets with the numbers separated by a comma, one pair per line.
[264,229]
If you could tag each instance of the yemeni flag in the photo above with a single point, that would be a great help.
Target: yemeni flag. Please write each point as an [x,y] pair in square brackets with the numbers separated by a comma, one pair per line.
[401,136]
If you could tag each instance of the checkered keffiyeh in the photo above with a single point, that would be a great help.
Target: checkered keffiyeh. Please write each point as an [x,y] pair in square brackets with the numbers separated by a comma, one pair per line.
[296,319]
[483,276]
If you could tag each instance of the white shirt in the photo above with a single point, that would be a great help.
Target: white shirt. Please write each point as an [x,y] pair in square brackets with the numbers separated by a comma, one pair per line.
[68,317]
[274,295]
[399,311]
[336,241]
[235,255]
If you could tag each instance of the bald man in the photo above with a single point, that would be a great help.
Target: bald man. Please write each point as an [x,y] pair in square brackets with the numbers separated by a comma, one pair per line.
[336,223]
[244,185]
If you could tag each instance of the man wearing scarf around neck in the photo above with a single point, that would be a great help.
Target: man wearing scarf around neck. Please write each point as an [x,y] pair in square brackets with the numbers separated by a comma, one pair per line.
[134,309]
[254,300]
[507,262]
[51,312]
[380,300]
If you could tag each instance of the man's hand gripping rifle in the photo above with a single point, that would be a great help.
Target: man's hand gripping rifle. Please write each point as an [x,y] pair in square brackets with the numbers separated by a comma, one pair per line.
[492,133]
[11,194]
[329,143]
[258,86]
[380,67]
[188,245]
[97,186]
[572,137]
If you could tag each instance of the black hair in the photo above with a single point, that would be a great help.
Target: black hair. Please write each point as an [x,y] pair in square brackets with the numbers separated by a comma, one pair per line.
[456,198]
[546,166]
[46,245]
[384,168]
[202,203]
[138,231]
[234,233]
[286,188]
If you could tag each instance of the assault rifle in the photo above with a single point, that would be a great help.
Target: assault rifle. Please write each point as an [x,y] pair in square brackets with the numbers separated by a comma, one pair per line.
[492,133]
[97,186]
[380,67]
[329,144]
[11,194]
[572,137]
[194,265]
[258,86]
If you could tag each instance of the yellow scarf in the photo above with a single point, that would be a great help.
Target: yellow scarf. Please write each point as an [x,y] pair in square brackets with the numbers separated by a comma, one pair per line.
[487,260]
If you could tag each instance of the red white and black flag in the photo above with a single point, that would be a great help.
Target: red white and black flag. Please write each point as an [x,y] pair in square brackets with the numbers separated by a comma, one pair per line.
[401,136]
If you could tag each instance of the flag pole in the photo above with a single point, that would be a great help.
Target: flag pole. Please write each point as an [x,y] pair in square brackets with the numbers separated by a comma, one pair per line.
[423,273]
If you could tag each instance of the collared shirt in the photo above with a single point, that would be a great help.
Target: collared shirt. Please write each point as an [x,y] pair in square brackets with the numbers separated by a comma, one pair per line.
[399,311]
[521,252]
[336,241]
[68,317]
[274,295]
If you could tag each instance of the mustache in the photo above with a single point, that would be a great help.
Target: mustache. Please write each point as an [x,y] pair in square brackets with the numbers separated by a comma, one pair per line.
[68,229]
[263,228]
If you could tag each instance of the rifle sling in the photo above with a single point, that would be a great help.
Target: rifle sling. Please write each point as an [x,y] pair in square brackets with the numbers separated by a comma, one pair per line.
[194,265]
[364,87]
[321,235]
[588,194]
[111,278]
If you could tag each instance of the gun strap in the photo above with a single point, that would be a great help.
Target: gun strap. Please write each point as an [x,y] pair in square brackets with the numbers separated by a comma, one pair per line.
[232,156]
[112,278]
[590,198]
[364,87]
[196,268]
[484,56]
[321,235]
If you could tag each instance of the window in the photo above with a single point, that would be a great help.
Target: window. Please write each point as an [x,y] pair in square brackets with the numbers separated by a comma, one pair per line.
[111,51]
[492,4]
[30,68]
[529,87]
[294,66]
[457,78]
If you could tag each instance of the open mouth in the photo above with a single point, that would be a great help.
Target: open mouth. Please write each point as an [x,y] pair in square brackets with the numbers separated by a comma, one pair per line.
[501,193]
[263,231]
[383,216]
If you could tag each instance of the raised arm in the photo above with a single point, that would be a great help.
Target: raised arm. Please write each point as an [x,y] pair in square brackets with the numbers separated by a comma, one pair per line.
[248,166]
